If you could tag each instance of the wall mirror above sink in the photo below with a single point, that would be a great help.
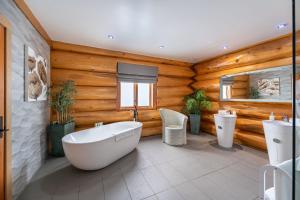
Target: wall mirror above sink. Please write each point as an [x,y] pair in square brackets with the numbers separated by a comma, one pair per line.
[266,85]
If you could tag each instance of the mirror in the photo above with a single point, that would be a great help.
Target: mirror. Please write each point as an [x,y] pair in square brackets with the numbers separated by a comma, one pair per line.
[267,85]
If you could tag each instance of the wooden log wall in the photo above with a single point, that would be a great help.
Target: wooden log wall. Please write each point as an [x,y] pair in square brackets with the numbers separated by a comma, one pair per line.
[94,73]
[249,130]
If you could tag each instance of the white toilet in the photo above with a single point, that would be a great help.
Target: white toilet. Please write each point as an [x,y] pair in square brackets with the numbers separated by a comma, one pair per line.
[225,125]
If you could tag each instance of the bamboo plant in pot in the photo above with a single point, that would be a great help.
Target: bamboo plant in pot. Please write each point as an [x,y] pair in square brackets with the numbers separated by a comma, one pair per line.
[194,104]
[61,99]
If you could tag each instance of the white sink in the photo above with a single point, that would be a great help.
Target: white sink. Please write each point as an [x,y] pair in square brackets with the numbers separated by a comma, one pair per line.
[279,138]
[225,125]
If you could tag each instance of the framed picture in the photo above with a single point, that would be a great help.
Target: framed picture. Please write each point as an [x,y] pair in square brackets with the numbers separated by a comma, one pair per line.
[36,76]
[269,87]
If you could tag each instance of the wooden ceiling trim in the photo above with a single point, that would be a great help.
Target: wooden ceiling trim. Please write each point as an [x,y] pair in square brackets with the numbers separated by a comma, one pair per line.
[33,20]
[56,45]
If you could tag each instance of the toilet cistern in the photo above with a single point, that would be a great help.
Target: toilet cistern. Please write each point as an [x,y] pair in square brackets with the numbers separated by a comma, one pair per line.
[225,125]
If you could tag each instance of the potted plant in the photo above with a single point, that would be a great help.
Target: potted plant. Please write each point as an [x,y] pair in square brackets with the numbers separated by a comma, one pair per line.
[254,93]
[194,104]
[61,99]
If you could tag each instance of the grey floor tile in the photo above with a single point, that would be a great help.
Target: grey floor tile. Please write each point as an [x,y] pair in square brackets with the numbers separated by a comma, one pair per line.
[171,174]
[91,188]
[190,192]
[212,190]
[155,179]
[136,163]
[170,194]
[241,179]
[151,198]
[37,190]
[156,171]
[115,188]
[247,170]
[192,171]
[66,195]
[231,186]
[137,185]
[111,170]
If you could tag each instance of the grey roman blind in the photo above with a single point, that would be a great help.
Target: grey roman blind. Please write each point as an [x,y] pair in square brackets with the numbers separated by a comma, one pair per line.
[137,73]
[227,81]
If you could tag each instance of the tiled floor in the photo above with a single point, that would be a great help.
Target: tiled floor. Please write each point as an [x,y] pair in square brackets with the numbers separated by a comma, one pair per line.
[199,170]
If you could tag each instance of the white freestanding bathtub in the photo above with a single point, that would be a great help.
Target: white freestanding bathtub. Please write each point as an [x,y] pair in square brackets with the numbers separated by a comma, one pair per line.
[98,147]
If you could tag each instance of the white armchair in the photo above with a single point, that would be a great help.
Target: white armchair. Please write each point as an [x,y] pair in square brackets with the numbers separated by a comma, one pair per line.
[174,127]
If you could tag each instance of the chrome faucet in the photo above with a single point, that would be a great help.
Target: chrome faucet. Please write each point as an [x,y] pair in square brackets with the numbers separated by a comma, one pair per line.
[135,114]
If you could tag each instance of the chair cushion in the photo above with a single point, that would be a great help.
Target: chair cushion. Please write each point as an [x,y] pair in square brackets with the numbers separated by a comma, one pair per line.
[174,127]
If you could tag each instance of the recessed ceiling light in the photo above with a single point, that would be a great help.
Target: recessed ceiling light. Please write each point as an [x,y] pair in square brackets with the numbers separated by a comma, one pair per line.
[110,37]
[282,26]
[161,46]
[225,47]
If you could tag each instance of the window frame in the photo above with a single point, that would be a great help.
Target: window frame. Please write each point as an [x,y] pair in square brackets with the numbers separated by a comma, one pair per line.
[152,96]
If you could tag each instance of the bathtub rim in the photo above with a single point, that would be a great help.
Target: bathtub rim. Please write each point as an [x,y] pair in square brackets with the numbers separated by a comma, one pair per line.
[140,125]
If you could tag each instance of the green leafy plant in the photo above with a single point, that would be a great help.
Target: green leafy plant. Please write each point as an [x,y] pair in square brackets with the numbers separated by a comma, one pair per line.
[254,93]
[61,99]
[196,102]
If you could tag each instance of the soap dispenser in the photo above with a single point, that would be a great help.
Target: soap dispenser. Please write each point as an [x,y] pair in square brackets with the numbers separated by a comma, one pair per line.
[272,117]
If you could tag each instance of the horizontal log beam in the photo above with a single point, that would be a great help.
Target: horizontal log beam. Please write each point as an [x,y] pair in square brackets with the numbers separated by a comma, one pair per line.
[94,105]
[165,92]
[93,93]
[88,62]
[104,52]
[83,78]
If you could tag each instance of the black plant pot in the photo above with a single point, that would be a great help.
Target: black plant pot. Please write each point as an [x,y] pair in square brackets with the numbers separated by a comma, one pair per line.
[56,132]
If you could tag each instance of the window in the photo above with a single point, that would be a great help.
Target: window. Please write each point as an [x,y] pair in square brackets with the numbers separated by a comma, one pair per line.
[141,95]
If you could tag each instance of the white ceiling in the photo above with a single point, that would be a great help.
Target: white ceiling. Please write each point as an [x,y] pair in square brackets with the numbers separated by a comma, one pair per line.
[190,30]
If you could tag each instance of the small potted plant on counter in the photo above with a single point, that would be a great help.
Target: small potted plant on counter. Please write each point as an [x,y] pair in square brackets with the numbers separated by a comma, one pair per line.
[194,104]
[61,99]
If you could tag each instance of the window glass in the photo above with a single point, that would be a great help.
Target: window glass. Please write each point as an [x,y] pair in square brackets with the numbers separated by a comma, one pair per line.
[126,94]
[144,94]
[226,91]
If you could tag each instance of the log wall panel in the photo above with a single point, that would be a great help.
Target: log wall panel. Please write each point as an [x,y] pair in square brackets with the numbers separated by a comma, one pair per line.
[88,62]
[94,73]
[83,78]
[268,51]
[93,105]
[249,130]
[114,54]
[164,81]
[98,92]
[170,101]
[163,92]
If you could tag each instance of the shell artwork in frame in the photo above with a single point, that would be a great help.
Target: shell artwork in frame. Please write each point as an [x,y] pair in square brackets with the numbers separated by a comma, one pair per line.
[269,87]
[36,76]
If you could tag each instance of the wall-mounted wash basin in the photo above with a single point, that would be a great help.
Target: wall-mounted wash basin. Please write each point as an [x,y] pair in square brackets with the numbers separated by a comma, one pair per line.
[225,125]
[279,138]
